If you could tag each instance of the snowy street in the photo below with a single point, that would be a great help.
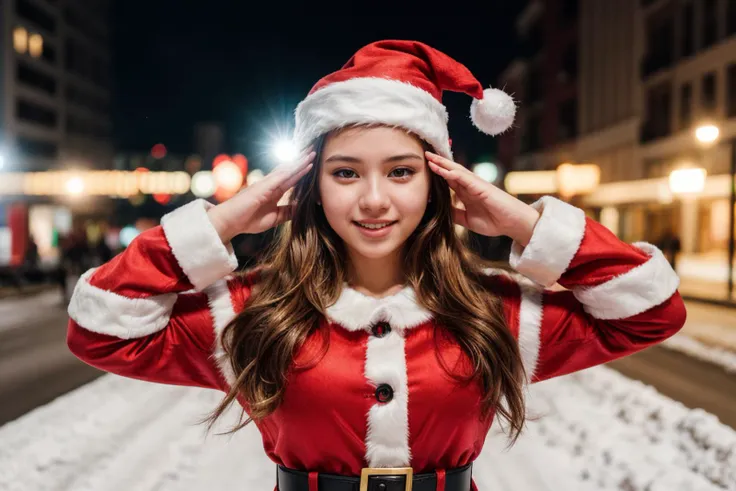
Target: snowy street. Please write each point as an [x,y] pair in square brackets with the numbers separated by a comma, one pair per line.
[595,430]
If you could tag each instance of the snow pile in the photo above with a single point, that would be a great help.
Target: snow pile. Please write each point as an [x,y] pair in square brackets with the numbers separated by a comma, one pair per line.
[622,434]
[596,430]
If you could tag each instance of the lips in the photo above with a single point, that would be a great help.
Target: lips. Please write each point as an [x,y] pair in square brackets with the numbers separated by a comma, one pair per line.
[374,226]
[383,229]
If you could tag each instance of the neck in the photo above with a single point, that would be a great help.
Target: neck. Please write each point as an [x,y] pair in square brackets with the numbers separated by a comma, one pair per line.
[376,277]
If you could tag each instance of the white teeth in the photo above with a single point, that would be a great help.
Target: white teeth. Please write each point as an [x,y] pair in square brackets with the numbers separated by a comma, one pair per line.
[373,225]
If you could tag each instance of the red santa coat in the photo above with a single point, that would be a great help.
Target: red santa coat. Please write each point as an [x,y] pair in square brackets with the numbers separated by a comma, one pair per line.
[156,311]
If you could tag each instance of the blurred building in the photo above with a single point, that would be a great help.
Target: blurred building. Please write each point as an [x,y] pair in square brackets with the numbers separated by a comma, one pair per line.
[545,79]
[649,73]
[54,106]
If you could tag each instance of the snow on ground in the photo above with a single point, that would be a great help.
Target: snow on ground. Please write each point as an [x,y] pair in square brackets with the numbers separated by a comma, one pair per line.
[595,430]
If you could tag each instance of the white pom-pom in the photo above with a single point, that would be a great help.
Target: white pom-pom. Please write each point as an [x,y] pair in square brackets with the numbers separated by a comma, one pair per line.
[493,114]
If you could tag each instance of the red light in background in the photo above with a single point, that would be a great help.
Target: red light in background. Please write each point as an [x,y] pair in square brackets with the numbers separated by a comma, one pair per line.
[241,162]
[162,198]
[158,151]
[223,157]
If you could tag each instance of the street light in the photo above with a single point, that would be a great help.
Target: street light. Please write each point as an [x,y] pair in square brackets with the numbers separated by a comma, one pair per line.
[707,133]
[486,171]
[687,181]
[285,151]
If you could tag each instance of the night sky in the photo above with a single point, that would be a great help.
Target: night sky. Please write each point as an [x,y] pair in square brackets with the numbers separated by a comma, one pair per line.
[177,62]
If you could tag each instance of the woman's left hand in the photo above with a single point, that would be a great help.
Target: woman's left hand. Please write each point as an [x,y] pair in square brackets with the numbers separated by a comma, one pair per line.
[488,210]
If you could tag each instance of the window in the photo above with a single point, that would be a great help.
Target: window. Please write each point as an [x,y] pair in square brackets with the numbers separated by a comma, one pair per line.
[686,103]
[85,64]
[90,27]
[30,12]
[530,140]
[660,38]
[710,22]
[20,40]
[49,54]
[37,148]
[85,127]
[570,10]
[33,113]
[731,104]
[708,92]
[567,120]
[31,77]
[533,89]
[570,61]
[688,29]
[84,99]
[659,112]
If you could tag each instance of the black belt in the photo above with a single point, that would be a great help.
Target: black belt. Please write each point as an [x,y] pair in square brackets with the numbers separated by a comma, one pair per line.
[374,480]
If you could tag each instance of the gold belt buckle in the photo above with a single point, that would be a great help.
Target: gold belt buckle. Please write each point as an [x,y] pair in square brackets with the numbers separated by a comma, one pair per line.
[382,471]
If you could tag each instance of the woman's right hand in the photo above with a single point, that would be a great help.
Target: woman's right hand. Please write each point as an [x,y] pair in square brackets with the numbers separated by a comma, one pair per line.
[255,209]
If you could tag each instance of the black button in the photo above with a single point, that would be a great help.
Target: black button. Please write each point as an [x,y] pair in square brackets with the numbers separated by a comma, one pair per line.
[381,329]
[384,393]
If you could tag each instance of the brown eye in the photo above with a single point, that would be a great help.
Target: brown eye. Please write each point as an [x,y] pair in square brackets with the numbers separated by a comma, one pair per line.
[344,173]
[402,172]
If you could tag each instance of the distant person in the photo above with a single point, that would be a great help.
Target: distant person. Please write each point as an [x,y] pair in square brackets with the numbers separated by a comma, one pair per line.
[370,337]
[31,270]
[670,245]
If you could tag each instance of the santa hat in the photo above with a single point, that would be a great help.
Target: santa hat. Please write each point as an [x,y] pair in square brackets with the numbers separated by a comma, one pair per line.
[399,83]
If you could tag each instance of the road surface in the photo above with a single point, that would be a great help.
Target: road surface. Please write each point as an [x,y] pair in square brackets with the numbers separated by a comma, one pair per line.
[35,363]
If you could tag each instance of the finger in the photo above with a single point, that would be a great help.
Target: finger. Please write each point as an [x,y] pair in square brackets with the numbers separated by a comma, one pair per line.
[458,181]
[443,162]
[285,171]
[284,213]
[290,182]
[460,217]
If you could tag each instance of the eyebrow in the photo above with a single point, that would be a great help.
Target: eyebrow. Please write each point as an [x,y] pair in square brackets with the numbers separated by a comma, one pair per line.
[355,160]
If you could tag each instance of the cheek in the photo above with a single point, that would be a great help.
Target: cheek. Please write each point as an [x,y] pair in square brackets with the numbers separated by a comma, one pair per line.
[335,203]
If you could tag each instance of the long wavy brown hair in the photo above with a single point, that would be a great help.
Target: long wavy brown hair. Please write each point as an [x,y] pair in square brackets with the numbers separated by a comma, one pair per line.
[303,274]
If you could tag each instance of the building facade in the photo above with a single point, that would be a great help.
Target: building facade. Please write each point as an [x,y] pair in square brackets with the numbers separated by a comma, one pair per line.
[650,73]
[55,70]
[544,80]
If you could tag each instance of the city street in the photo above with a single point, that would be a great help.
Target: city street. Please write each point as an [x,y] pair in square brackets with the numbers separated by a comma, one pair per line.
[36,366]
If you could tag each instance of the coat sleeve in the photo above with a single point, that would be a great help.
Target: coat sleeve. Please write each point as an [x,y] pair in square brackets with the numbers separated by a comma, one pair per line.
[154,311]
[616,299]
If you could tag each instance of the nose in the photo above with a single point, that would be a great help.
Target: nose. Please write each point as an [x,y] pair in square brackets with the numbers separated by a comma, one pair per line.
[374,197]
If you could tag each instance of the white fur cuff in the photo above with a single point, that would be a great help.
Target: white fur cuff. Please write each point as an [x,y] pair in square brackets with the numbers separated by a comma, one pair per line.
[636,291]
[108,313]
[197,246]
[554,243]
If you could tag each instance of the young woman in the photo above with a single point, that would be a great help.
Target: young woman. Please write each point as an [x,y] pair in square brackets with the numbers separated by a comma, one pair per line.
[371,348]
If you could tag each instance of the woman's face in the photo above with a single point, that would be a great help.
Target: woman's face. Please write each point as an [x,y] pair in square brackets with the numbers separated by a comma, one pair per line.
[374,187]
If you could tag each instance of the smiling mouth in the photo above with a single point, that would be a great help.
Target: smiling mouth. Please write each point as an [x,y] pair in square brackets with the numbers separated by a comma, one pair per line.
[374,226]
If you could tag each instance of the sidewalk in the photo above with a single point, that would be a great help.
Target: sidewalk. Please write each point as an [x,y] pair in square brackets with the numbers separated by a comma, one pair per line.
[712,325]
[26,290]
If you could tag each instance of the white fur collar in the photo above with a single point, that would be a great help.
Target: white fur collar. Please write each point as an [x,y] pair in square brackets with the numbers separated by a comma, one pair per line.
[355,311]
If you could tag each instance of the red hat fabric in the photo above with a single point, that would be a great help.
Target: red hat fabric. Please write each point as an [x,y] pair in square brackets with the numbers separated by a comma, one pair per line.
[399,83]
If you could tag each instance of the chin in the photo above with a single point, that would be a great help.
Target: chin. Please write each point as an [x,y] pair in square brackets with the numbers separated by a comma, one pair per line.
[375,251]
